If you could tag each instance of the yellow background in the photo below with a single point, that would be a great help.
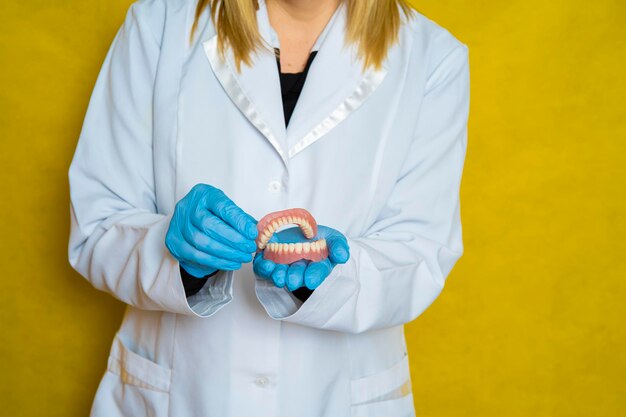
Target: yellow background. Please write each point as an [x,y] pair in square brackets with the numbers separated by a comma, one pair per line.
[531,322]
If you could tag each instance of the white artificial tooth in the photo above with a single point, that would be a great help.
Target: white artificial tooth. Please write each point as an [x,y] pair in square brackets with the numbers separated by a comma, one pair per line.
[290,220]
[306,246]
[298,247]
[270,228]
[267,233]
[274,225]
[292,247]
[323,243]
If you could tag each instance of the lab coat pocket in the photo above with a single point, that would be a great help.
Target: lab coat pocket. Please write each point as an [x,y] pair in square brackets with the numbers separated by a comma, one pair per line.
[133,385]
[385,393]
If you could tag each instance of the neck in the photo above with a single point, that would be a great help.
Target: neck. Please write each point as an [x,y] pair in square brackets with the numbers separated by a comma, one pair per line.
[301,13]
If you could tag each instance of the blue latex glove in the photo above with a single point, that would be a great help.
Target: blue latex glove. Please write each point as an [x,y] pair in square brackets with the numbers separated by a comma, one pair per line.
[303,272]
[209,232]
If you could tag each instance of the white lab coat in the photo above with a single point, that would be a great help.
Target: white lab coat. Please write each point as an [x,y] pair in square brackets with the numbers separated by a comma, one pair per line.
[376,155]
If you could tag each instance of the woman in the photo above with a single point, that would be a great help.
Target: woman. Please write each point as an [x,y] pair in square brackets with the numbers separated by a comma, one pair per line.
[180,154]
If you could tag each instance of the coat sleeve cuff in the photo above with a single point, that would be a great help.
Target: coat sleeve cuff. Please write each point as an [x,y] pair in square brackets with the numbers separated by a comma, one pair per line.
[214,294]
[329,297]
[193,284]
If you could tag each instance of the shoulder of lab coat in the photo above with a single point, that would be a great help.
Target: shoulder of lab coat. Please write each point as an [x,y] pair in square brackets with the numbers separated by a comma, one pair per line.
[399,266]
[438,39]
[117,237]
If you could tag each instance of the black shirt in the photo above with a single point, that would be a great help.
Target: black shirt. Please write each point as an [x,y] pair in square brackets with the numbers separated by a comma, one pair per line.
[290,85]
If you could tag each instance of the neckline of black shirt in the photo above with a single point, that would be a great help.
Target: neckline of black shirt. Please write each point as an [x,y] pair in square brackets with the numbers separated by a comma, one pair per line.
[291,84]
[293,81]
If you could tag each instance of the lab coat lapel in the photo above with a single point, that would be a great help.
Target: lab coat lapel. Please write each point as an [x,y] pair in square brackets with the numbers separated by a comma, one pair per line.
[335,86]
[256,89]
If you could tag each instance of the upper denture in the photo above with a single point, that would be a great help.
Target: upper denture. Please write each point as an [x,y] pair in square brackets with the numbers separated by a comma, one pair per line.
[268,225]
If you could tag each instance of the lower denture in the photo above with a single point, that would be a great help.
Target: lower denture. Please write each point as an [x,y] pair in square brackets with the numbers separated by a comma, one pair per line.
[285,253]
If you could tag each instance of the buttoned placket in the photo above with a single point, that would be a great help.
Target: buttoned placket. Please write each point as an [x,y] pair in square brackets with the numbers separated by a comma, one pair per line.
[261,369]
[276,186]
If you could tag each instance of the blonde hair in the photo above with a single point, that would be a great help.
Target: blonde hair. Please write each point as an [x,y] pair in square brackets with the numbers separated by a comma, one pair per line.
[372,24]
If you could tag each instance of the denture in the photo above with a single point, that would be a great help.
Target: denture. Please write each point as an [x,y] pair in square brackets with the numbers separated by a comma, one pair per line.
[287,253]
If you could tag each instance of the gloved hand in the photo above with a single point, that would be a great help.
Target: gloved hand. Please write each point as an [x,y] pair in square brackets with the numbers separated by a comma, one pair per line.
[303,272]
[208,232]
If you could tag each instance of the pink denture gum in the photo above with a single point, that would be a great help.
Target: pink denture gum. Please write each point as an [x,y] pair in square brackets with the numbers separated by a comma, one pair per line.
[287,253]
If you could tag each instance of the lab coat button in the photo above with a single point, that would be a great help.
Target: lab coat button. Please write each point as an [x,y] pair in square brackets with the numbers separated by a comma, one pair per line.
[274,186]
[261,381]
